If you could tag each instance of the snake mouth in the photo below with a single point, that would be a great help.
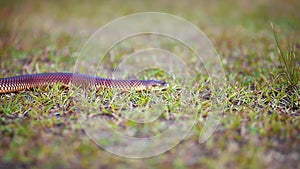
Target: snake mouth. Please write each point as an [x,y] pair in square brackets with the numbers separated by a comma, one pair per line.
[164,85]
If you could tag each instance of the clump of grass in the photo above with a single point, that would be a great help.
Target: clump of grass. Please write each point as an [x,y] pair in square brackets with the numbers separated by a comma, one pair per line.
[289,61]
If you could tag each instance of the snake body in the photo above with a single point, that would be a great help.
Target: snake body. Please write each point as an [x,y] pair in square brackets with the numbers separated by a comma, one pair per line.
[26,82]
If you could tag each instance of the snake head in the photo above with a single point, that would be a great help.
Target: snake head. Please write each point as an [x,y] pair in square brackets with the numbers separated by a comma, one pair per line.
[156,84]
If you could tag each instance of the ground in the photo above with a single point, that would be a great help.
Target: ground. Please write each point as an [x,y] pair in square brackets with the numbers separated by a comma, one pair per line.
[259,127]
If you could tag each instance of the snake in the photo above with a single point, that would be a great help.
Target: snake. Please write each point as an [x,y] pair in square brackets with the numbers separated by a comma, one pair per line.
[31,81]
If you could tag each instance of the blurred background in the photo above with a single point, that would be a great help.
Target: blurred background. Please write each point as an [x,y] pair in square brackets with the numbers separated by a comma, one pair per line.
[32,26]
[61,21]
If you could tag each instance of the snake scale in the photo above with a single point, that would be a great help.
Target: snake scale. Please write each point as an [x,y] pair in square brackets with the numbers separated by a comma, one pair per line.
[30,81]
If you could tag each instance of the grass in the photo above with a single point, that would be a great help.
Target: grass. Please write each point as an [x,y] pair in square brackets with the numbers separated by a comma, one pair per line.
[289,61]
[259,127]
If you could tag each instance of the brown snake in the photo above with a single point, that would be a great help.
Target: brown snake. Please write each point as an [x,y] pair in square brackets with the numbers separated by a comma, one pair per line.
[26,82]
